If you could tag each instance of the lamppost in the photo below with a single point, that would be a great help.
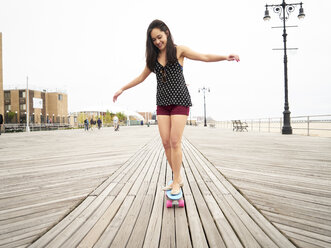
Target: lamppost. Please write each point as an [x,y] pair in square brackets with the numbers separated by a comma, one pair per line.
[204,89]
[284,10]
[27,105]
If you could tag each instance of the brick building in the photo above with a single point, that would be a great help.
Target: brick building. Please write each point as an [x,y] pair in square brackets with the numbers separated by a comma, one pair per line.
[44,107]
[2,110]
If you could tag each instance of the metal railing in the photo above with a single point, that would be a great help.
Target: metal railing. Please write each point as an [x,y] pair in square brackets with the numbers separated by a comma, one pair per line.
[312,125]
[34,127]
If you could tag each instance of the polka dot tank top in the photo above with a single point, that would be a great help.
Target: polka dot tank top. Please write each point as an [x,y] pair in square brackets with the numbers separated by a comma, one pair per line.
[171,86]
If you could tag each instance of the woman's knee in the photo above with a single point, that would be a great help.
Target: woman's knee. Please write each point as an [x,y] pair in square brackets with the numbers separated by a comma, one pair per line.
[175,142]
[166,143]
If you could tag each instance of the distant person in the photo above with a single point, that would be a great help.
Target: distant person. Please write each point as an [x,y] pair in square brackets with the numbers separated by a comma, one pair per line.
[173,100]
[86,124]
[1,122]
[115,122]
[99,123]
[92,123]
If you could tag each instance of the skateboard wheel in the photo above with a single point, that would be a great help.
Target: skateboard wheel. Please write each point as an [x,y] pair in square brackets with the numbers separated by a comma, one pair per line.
[181,203]
[169,204]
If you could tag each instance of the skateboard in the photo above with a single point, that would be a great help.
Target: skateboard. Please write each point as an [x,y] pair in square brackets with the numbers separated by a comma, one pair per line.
[174,200]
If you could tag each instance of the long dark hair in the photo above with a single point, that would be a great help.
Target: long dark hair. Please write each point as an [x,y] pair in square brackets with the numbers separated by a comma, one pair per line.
[152,51]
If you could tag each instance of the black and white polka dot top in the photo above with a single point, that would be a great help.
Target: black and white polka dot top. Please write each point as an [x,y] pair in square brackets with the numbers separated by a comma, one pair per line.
[171,86]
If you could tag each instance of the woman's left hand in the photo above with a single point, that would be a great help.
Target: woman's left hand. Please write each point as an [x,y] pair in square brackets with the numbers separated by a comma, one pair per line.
[232,57]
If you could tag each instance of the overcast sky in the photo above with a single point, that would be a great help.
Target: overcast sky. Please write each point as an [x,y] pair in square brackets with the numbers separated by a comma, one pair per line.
[92,48]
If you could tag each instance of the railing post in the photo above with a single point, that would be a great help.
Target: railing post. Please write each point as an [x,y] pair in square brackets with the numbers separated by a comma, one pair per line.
[269,126]
[280,124]
[307,125]
[259,125]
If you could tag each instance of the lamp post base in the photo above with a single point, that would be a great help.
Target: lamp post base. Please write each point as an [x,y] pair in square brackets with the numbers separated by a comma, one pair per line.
[287,129]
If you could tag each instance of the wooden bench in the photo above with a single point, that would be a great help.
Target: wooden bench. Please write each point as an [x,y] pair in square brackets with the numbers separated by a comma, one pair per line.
[238,125]
[128,209]
[212,125]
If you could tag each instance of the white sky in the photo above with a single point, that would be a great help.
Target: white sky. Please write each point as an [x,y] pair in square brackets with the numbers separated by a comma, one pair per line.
[92,48]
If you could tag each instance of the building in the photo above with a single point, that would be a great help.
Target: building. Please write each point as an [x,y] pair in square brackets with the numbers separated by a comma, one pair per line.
[42,106]
[2,110]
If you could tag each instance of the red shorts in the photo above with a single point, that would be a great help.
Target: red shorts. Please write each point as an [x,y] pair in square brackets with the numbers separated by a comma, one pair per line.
[172,110]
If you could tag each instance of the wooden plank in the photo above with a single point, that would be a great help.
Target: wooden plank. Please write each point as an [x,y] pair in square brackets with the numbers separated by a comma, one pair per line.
[89,222]
[36,177]
[139,190]
[109,234]
[13,228]
[228,233]
[322,240]
[140,228]
[295,183]
[182,227]
[153,233]
[18,216]
[213,236]
[286,194]
[52,233]
[245,227]
[168,238]
[316,212]
[70,229]
[302,224]
[196,229]
[94,234]
[120,173]
[264,224]
[300,243]
[238,226]
[297,161]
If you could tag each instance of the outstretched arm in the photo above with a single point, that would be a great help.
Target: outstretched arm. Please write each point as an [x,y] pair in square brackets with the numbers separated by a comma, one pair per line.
[133,83]
[186,52]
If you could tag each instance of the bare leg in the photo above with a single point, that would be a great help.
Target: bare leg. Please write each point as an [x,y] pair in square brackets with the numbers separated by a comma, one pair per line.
[164,124]
[178,123]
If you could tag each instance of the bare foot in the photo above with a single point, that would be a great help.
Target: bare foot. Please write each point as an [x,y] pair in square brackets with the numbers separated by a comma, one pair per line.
[175,189]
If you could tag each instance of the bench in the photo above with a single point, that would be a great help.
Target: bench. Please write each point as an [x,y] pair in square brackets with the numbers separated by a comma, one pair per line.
[238,125]
[10,128]
[212,125]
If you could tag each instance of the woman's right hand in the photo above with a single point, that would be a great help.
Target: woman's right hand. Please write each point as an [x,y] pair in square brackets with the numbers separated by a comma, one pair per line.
[119,92]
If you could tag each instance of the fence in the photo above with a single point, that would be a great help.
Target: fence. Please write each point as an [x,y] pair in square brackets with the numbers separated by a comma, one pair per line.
[34,127]
[313,125]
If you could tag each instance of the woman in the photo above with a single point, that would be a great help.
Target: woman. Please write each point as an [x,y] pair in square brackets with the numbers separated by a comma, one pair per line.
[166,60]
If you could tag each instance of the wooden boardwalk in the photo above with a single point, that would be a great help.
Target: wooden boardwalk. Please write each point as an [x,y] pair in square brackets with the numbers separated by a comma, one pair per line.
[287,178]
[121,204]
[46,175]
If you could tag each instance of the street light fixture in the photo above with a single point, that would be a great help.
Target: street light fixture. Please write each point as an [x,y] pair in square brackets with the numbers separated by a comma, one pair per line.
[266,15]
[301,14]
[204,89]
[284,10]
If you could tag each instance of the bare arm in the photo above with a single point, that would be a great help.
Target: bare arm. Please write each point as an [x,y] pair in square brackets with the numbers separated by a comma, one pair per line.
[186,52]
[133,83]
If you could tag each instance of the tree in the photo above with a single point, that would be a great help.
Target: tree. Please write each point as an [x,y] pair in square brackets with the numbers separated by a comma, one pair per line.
[108,117]
[10,115]
[81,118]
[121,116]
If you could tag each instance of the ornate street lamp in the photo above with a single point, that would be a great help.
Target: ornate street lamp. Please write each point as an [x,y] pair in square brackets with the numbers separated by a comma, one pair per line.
[284,11]
[204,89]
